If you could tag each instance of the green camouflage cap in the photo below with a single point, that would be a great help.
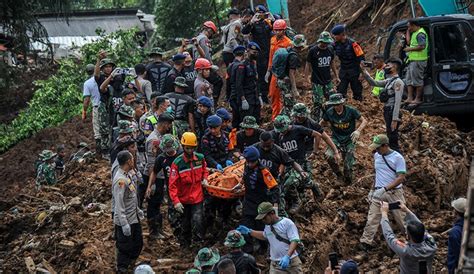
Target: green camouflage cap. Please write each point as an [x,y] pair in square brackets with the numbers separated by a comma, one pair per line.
[300,110]
[249,122]
[156,51]
[234,239]
[263,209]
[127,111]
[281,124]
[47,155]
[207,257]
[169,143]
[106,61]
[180,82]
[325,37]
[125,126]
[336,99]
[378,141]
[299,41]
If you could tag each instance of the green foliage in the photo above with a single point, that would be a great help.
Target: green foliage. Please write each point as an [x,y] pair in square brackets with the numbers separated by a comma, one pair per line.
[59,98]
[183,18]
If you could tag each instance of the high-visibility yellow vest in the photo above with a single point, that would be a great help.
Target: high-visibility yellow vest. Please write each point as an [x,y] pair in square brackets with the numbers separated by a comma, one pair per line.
[379,75]
[420,55]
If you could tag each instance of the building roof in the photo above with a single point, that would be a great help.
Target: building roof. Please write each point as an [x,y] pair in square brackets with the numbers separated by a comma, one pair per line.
[85,23]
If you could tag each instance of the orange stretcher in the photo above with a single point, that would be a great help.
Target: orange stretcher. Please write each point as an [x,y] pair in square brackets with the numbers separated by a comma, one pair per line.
[227,184]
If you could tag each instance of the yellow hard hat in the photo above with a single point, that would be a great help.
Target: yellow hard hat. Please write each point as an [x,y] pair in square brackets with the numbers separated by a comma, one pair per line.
[189,139]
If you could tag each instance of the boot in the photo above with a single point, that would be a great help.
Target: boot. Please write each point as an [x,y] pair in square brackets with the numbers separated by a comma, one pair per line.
[347,177]
[98,149]
[154,229]
[335,167]
[317,193]
[295,207]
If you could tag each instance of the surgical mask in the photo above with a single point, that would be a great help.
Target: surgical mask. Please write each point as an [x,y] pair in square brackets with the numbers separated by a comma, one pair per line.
[169,109]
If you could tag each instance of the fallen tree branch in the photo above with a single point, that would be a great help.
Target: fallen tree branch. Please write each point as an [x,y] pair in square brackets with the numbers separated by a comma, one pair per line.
[358,13]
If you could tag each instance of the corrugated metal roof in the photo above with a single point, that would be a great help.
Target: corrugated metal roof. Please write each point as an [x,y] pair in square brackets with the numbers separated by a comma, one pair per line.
[87,25]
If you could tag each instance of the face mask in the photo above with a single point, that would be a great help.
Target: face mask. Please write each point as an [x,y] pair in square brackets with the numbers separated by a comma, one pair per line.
[169,109]
[253,56]
[387,71]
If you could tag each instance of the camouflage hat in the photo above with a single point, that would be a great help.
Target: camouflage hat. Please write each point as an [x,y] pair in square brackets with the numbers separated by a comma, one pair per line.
[125,126]
[169,143]
[336,99]
[281,124]
[234,239]
[207,257]
[106,61]
[263,209]
[180,82]
[82,145]
[299,41]
[325,37]
[378,141]
[156,51]
[47,155]
[300,110]
[249,122]
[126,111]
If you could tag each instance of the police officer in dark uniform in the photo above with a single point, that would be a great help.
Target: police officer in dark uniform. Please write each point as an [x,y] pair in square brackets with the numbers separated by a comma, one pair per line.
[244,96]
[350,55]
[260,26]
[215,147]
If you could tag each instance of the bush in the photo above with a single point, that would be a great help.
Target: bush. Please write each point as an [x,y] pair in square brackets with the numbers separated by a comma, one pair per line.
[59,98]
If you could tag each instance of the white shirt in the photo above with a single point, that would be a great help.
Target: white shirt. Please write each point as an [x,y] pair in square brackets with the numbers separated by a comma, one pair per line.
[286,229]
[91,89]
[383,174]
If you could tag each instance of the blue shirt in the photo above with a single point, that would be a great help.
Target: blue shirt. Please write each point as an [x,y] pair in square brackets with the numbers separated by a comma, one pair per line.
[91,89]
[454,244]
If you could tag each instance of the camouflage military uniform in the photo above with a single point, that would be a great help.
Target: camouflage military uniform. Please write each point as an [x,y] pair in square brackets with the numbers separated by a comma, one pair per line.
[104,128]
[45,174]
[320,93]
[288,98]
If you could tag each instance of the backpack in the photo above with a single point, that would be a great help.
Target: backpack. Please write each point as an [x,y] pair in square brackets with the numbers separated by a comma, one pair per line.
[280,61]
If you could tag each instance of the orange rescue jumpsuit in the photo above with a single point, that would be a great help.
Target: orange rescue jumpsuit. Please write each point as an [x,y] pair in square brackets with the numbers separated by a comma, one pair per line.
[273,90]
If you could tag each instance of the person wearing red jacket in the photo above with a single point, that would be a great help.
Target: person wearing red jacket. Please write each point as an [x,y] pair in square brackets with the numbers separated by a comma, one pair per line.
[187,175]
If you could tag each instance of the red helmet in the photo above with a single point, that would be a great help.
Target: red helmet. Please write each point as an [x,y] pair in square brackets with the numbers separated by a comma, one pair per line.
[202,63]
[279,24]
[211,25]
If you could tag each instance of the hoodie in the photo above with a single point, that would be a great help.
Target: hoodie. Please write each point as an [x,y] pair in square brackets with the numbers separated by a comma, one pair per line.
[410,253]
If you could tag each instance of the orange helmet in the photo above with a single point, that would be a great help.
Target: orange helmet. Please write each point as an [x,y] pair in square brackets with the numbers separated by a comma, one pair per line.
[279,24]
[211,25]
[202,63]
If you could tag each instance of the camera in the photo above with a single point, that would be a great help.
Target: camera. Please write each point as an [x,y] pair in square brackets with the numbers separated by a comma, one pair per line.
[367,64]
[125,71]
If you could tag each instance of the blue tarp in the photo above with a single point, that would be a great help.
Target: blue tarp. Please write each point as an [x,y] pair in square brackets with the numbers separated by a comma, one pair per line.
[278,6]
[440,7]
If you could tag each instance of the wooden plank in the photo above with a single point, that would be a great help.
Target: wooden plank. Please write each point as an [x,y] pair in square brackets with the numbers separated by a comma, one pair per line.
[48,266]
[30,265]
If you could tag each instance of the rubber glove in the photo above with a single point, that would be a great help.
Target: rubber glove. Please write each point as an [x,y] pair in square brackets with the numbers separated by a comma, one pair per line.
[219,167]
[179,207]
[127,230]
[141,215]
[267,76]
[244,230]
[228,163]
[260,100]
[204,182]
[285,262]
[245,105]
[355,136]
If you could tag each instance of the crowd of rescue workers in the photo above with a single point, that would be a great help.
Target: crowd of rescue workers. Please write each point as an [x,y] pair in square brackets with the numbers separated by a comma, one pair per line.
[164,132]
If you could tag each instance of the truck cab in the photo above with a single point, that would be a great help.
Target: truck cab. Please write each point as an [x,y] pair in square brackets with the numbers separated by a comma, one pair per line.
[448,81]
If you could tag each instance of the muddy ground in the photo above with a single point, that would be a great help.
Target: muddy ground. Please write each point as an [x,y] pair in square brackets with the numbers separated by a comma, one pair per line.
[69,236]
